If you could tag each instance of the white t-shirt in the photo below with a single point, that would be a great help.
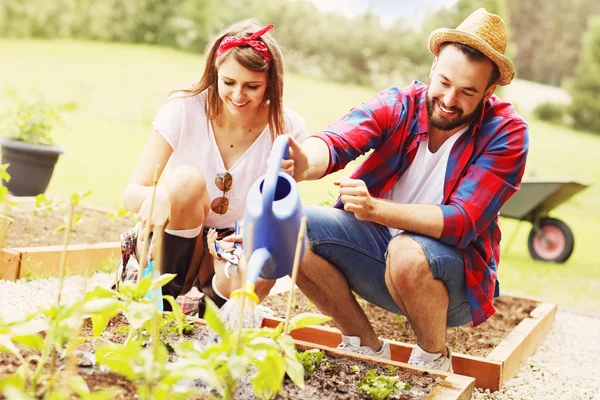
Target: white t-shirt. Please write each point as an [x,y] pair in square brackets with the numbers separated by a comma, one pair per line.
[183,123]
[423,181]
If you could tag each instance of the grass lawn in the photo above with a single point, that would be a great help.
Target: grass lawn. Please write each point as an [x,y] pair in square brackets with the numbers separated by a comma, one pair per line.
[117,89]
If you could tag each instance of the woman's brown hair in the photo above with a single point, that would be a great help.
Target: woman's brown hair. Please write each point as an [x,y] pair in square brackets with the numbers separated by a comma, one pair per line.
[250,59]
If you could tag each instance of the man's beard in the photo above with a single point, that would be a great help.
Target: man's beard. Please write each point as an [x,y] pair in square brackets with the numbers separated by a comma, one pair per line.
[445,124]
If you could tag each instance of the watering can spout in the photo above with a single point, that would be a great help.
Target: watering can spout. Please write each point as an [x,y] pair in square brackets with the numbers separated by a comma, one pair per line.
[261,262]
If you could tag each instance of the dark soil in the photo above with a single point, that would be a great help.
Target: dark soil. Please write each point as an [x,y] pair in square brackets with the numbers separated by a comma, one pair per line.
[475,341]
[93,227]
[334,378]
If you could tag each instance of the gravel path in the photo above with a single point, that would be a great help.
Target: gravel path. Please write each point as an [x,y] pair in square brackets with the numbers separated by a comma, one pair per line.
[566,366]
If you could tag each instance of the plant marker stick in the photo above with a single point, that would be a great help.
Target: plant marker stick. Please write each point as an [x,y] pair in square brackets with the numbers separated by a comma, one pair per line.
[63,255]
[294,274]
[144,257]
[63,263]
[247,255]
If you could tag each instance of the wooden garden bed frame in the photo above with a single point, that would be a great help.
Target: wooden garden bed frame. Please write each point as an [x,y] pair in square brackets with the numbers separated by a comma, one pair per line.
[491,372]
[452,386]
[21,262]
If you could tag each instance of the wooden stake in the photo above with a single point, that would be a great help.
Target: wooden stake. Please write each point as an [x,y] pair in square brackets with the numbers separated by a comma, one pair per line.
[246,256]
[63,256]
[146,228]
[299,244]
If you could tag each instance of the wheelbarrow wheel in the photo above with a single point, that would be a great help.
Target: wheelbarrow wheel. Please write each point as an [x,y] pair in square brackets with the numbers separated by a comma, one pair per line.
[558,244]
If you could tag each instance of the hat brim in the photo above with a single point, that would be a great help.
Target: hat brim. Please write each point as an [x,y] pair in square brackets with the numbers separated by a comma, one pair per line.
[442,35]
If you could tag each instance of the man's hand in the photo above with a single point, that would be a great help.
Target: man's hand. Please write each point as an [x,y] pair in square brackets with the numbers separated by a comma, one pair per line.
[297,164]
[356,198]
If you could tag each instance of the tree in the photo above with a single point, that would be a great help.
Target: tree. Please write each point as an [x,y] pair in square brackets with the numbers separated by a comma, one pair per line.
[585,87]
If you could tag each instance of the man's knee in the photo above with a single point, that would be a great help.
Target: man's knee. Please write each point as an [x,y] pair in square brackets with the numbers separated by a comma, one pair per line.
[406,263]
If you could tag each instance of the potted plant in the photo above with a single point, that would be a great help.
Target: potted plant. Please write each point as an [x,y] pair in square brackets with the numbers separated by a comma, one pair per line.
[27,145]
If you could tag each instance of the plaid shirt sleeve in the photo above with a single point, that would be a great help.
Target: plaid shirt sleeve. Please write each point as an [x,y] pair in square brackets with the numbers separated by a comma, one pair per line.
[364,128]
[488,183]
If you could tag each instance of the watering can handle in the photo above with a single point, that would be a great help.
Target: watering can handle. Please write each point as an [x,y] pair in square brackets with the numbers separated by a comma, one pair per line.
[279,151]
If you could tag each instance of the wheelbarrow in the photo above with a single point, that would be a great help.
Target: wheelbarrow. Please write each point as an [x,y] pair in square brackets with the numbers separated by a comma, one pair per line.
[550,239]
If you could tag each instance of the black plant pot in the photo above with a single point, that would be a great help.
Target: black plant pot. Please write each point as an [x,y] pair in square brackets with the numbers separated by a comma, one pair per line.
[31,166]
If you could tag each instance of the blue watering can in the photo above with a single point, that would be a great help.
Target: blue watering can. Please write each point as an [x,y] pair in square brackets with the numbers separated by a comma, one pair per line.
[273,206]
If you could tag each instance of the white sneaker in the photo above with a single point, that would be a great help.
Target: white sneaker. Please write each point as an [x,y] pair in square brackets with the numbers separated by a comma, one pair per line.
[352,344]
[435,361]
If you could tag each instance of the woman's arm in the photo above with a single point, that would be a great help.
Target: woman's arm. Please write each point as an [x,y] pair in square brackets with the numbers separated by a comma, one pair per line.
[156,153]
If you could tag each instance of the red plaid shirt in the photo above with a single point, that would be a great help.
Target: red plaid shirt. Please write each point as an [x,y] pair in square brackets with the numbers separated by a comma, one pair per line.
[485,168]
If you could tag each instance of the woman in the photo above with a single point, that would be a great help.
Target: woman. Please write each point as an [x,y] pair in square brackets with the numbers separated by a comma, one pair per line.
[210,143]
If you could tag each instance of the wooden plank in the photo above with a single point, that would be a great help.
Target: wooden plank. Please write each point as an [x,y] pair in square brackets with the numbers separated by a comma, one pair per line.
[452,386]
[522,341]
[45,260]
[10,264]
[487,373]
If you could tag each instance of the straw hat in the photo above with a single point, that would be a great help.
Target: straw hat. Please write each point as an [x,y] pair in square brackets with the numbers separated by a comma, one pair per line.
[482,31]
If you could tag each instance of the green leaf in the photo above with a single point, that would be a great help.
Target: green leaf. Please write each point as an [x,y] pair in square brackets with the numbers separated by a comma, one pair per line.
[74,344]
[213,319]
[99,323]
[32,341]
[237,365]
[74,198]
[78,385]
[3,193]
[121,359]
[7,345]
[100,292]
[16,381]
[40,199]
[295,371]
[307,319]
[161,281]
[271,371]
[143,287]
[108,306]
[13,393]
[139,313]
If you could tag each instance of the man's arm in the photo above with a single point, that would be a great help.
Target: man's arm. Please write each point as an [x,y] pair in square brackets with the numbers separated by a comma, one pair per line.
[425,219]
[308,161]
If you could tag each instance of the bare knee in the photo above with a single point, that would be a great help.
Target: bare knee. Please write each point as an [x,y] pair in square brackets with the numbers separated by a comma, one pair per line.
[187,191]
[407,264]
[306,264]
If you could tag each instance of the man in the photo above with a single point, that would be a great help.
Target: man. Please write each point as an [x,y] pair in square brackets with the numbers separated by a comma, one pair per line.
[416,230]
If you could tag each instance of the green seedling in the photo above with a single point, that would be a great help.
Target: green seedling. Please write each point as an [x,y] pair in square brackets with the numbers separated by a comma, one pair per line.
[392,370]
[355,369]
[147,367]
[42,205]
[61,336]
[310,360]
[401,320]
[380,387]
[309,305]
[121,213]
[75,199]
[271,352]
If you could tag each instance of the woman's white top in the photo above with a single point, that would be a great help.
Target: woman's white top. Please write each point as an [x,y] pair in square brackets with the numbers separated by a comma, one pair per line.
[182,122]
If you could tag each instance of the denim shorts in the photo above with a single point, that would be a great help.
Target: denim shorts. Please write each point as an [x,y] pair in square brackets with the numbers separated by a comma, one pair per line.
[358,249]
